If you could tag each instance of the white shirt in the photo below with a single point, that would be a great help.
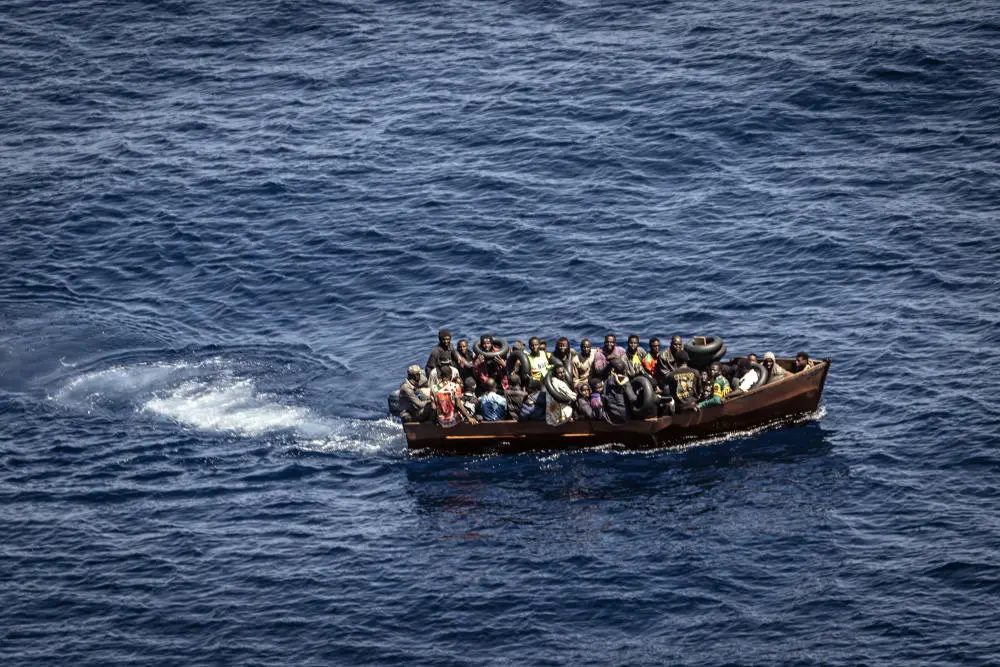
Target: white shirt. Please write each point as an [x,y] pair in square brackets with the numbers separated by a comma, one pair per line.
[749,380]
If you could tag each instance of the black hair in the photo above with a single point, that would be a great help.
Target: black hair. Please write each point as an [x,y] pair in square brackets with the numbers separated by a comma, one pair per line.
[802,355]
[653,340]
[514,381]
[443,333]
[470,384]
[682,357]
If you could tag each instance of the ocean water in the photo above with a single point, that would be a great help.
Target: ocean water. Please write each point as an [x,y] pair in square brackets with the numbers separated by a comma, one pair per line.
[227,228]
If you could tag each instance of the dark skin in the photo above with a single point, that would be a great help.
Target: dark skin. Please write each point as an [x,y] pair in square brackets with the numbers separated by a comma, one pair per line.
[714,371]
[609,343]
[444,341]
[654,348]
[486,345]
[676,344]
[448,373]
[752,358]
[534,345]
[633,344]
[801,362]
[585,348]
[562,348]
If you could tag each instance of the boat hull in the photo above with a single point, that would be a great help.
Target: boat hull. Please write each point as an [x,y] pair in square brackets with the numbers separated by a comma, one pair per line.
[790,397]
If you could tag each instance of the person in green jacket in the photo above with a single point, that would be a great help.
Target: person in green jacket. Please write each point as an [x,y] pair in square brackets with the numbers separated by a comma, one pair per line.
[720,387]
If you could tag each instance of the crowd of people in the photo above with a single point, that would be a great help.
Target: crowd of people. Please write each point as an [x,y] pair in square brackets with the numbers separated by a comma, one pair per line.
[493,381]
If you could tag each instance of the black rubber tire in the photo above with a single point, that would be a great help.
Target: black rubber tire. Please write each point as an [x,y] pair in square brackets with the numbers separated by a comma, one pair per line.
[500,343]
[720,355]
[646,395]
[525,366]
[762,375]
[712,345]
[394,403]
[558,395]
[567,364]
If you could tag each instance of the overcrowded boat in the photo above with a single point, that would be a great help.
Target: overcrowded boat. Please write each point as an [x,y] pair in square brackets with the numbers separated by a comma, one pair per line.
[500,398]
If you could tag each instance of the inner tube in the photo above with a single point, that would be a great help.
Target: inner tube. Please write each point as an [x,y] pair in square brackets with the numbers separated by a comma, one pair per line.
[718,356]
[497,343]
[762,375]
[557,394]
[711,346]
[567,363]
[646,398]
[394,403]
[525,366]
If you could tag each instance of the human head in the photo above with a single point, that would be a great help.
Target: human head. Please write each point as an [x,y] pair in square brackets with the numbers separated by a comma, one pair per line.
[534,344]
[491,385]
[445,370]
[585,347]
[676,343]
[769,360]
[715,370]
[633,343]
[583,389]
[682,358]
[562,346]
[743,366]
[752,358]
[470,385]
[617,365]
[801,360]
[654,347]
[413,373]
[514,381]
[463,346]
[609,342]
[560,371]
[444,337]
[486,343]
[596,385]
[543,344]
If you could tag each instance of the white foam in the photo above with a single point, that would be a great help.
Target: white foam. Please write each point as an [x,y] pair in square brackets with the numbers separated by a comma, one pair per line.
[210,396]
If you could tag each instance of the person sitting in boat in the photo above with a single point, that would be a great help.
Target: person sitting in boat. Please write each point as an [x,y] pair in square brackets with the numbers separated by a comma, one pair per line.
[582,409]
[597,400]
[746,375]
[667,360]
[649,362]
[583,363]
[533,408]
[802,362]
[604,355]
[634,356]
[447,397]
[515,395]
[616,391]
[469,398]
[414,400]
[563,356]
[538,359]
[464,359]
[719,384]
[559,398]
[492,405]
[774,371]
[684,384]
[441,351]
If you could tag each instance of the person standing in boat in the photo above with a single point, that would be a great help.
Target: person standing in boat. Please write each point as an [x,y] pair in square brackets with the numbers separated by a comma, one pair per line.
[447,397]
[649,361]
[563,356]
[443,350]
[538,359]
[486,368]
[604,355]
[463,360]
[583,363]
[774,371]
[719,384]
[634,356]
[668,358]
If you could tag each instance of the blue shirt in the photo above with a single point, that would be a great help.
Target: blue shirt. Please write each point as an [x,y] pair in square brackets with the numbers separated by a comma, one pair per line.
[493,406]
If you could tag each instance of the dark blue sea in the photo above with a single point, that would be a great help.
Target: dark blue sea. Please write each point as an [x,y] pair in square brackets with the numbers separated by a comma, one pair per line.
[227,229]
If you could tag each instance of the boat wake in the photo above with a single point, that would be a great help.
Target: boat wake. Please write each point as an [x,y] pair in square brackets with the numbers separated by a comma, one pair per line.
[217,396]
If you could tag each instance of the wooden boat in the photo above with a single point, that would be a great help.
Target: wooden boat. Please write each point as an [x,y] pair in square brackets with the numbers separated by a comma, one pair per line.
[782,400]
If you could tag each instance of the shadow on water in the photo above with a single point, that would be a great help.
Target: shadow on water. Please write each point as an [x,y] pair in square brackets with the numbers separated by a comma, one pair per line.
[443,484]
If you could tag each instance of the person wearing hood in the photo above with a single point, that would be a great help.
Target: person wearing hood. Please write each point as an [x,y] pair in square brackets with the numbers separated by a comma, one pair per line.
[617,391]
[775,372]
[414,400]
[557,411]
